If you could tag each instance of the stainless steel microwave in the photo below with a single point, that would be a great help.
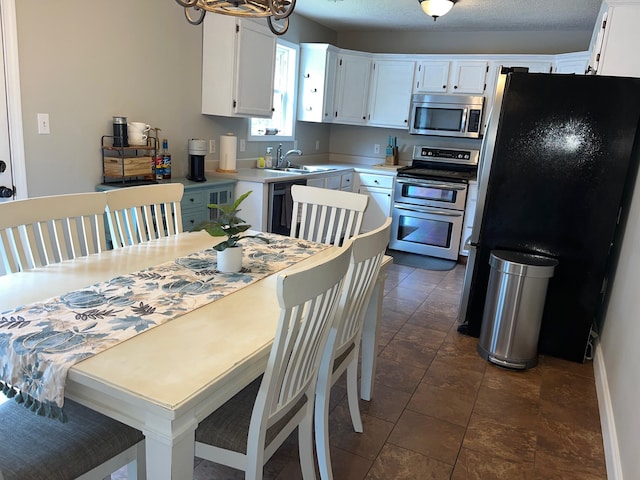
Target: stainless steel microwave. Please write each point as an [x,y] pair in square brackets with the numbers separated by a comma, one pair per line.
[446,115]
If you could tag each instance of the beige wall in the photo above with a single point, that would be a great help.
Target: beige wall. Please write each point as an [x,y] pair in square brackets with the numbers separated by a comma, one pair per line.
[551,42]
[140,59]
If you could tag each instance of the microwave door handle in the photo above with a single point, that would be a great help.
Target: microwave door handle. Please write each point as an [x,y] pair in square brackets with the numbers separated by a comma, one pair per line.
[465,115]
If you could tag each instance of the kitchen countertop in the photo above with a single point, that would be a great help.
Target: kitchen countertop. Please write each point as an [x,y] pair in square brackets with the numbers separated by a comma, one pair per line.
[259,175]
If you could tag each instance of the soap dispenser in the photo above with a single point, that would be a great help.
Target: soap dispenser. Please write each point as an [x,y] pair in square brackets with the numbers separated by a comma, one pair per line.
[268,159]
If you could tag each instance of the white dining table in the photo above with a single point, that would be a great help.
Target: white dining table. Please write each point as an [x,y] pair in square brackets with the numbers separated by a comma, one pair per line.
[165,380]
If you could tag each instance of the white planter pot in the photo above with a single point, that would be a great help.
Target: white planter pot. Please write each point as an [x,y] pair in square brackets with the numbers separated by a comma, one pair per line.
[230,260]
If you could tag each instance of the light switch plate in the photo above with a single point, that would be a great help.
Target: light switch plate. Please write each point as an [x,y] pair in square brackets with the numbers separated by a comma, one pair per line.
[43,124]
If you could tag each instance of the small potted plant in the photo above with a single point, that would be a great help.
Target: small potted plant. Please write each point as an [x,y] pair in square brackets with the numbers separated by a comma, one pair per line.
[229,225]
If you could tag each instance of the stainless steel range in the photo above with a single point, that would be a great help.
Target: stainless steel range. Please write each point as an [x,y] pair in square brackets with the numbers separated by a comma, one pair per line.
[429,200]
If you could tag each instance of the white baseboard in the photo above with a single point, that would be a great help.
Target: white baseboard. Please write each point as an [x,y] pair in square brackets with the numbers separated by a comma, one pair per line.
[607,423]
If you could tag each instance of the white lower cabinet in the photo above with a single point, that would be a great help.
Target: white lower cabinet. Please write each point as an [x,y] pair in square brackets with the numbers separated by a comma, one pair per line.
[379,189]
[340,181]
[469,213]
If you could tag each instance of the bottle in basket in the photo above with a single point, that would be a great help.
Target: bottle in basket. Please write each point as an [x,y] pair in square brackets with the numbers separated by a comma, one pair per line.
[166,160]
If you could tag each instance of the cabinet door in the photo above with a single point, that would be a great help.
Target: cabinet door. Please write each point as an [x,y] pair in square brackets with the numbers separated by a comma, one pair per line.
[317,83]
[390,93]
[468,77]
[352,88]
[432,77]
[378,207]
[618,54]
[571,63]
[317,182]
[238,61]
[256,56]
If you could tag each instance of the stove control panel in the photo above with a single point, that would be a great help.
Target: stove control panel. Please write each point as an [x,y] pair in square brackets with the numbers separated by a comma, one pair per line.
[446,155]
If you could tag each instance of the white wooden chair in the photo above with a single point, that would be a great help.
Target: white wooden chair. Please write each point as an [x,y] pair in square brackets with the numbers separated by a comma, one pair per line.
[326,216]
[139,214]
[246,431]
[343,346]
[89,446]
[38,231]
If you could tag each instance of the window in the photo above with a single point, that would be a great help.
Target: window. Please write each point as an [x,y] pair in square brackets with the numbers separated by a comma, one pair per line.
[281,126]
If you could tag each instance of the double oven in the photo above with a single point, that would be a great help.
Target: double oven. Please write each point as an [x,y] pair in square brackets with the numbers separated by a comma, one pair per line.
[429,201]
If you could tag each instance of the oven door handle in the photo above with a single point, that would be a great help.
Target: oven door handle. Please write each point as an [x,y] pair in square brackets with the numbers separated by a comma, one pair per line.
[444,213]
[441,186]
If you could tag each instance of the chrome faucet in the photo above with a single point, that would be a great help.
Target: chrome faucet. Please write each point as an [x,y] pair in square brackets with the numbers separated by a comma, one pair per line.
[280,158]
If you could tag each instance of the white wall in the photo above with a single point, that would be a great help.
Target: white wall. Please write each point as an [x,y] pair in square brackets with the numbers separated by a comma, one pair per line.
[620,349]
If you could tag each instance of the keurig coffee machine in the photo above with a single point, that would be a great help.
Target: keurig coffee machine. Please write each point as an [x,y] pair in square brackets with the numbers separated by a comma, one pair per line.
[197,151]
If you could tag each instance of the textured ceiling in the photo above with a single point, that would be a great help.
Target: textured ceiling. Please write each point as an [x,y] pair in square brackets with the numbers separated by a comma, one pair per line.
[466,15]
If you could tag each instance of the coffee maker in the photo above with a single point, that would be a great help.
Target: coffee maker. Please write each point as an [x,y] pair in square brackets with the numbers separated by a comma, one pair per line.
[197,151]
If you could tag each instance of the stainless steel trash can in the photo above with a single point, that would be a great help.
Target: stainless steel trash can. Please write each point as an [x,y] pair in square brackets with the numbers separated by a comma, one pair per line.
[513,308]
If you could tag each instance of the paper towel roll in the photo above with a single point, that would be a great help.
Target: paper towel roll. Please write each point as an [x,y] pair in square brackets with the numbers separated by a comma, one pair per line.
[228,153]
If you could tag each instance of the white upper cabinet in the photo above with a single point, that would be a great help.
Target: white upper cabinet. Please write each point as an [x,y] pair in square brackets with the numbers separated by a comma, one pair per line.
[390,93]
[316,87]
[238,61]
[352,88]
[575,62]
[614,43]
[534,64]
[432,76]
[463,76]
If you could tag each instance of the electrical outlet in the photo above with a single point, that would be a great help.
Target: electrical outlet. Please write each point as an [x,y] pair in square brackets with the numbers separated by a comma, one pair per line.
[43,124]
[212,146]
[295,144]
[376,148]
[317,145]
[243,146]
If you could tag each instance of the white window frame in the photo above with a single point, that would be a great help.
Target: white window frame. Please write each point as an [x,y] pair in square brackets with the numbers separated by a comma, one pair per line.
[291,93]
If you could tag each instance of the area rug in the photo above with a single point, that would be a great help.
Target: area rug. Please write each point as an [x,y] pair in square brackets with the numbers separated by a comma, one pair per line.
[421,261]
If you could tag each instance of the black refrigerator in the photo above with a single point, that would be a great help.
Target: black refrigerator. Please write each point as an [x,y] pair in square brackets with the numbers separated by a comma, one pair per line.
[557,163]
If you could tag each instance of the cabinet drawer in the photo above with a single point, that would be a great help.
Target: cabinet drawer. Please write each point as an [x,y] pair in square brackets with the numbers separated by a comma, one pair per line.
[334,183]
[373,180]
[347,181]
[192,199]
[191,219]
[316,182]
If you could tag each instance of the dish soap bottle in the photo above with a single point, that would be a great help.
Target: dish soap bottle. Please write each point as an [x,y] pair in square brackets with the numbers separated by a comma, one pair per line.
[268,160]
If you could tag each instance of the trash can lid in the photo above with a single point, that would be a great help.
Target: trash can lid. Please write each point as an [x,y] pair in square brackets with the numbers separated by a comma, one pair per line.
[523,264]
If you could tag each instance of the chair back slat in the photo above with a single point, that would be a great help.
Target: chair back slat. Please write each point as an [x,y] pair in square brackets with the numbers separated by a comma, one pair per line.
[367,254]
[140,214]
[326,216]
[38,231]
[342,349]
[308,298]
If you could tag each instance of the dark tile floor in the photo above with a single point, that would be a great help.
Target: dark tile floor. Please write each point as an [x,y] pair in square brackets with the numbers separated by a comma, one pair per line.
[441,412]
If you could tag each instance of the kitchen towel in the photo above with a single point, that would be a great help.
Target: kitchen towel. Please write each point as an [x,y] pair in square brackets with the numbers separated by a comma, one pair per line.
[228,153]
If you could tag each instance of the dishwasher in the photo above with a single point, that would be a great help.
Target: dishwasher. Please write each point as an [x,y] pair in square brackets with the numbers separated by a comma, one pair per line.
[281,206]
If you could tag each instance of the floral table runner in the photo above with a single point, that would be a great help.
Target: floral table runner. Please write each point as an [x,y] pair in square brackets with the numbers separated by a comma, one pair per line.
[41,341]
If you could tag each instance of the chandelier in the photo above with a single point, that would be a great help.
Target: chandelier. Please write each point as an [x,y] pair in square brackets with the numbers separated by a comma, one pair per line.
[436,8]
[276,11]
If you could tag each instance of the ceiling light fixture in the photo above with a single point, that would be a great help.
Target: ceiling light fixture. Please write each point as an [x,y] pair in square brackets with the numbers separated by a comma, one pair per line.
[276,11]
[436,8]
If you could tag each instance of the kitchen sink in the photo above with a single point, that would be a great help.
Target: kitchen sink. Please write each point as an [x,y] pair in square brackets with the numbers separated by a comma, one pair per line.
[302,169]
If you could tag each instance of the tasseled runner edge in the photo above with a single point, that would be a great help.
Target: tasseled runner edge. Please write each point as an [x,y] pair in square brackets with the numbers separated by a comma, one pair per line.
[44,409]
